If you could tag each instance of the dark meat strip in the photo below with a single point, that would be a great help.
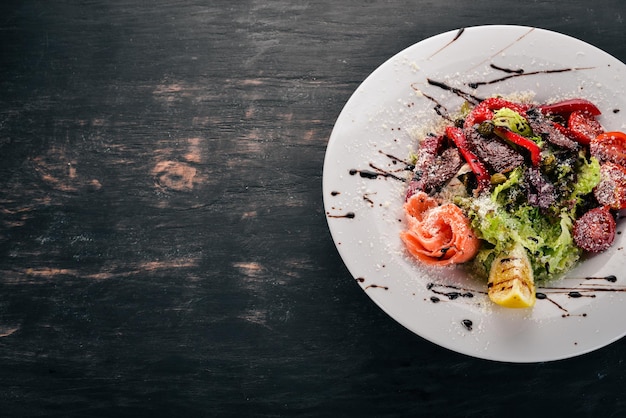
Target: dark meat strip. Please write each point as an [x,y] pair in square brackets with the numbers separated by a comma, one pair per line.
[446,165]
[543,126]
[493,152]
[427,153]
[432,172]
[539,191]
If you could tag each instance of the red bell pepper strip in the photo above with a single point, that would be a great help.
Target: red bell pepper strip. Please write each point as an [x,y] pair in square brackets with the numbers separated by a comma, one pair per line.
[517,139]
[484,110]
[478,168]
[477,115]
[562,129]
[566,107]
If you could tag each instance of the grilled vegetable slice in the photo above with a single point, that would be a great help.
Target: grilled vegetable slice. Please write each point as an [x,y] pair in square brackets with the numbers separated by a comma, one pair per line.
[511,283]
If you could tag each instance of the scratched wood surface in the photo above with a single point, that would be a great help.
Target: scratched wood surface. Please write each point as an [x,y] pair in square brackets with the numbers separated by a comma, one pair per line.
[163,245]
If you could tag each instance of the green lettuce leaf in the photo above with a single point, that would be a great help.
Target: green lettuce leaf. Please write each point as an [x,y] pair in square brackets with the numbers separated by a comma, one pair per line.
[501,221]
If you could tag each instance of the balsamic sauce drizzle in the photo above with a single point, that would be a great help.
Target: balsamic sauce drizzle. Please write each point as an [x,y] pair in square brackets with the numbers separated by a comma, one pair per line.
[467,324]
[521,73]
[506,47]
[456,37]
[506,70]
[462,94]
[348,215]
[375,173]
[453,292]
[371,286]
[610,278]
[376,286]
[439,109]
[511,73]
[395,160]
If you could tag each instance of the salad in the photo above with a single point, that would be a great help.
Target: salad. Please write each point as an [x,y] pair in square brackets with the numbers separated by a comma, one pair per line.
[516,192]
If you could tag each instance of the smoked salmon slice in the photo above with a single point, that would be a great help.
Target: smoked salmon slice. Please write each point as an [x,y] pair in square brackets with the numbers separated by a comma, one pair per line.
[438,235]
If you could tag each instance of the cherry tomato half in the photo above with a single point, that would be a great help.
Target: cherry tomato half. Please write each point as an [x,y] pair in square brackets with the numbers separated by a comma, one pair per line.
[584,127]
[611,191]
[595,230]
[609,146]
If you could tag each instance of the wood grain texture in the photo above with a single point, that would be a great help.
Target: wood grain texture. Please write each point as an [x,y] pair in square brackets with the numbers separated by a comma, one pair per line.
[163,244]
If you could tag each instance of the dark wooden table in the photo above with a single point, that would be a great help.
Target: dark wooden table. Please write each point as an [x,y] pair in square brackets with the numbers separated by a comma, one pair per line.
[164,248]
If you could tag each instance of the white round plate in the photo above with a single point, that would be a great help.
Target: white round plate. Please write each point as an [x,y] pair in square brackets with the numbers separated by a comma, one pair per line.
[365,179]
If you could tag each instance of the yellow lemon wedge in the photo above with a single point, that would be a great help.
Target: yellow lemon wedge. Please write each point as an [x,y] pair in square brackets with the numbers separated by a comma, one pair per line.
[511,282]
